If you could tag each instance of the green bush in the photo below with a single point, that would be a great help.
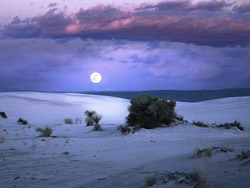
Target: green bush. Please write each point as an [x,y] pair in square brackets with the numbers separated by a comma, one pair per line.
[22,121]
[46,132]
[92,118]
[231,125]
[150,112]
[89,117]
[97,118]
[68,121]
[199,124]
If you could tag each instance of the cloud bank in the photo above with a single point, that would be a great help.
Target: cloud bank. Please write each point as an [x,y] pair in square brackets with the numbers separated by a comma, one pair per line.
[211,23]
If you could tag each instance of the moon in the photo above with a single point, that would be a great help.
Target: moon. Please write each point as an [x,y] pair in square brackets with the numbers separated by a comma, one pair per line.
[95,77]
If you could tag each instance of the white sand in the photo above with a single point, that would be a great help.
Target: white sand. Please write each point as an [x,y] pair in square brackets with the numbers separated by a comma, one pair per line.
[107,159]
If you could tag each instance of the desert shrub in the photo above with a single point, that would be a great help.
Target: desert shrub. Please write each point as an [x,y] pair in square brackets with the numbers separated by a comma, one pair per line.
[149,112]
[3,115]
[150,181]
[46,132]
[89,117]
[97,118]
[231,125]
[200,124]
[68,121]
[124,129]
[198,178]
[194,179]
[207,152]
[22,121]
[244,156]
[78,121]
[2,139]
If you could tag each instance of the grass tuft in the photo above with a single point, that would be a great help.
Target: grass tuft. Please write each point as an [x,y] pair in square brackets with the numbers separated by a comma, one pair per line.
[22,121]
[46,132]
[68,121]
[150,181]
[200,124]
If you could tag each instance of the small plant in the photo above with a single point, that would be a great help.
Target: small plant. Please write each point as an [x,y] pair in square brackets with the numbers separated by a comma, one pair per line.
[78,121]
[231,125]
[194,179]
[150,112]
[97,118]
[124,129]
[150,181]
[89,117]
[22,121]
[198,178]
[2,139]
[3,115]
[200,124]
[207,152]
[244,156]
[68,121]
[46,132]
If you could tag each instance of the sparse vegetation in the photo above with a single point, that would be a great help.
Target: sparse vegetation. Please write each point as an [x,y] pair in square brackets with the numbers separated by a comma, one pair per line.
[124,129]
[78,121]
[200,124]
[244,156]
[235,124]
[2,139]
[68,121]
[46,132]
[207,152]
[22,121]
[3,115]
[150,181]
[149,112]
[97,118]
[195,179]
[89,117]
[92,118]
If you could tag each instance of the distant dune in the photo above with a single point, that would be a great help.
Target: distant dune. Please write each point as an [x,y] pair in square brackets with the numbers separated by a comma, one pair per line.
[180,95]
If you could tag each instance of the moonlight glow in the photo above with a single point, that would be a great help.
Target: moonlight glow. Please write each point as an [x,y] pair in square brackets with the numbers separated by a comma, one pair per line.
[95,77]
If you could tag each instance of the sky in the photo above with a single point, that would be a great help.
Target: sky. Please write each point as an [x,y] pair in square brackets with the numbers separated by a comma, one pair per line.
[55,45]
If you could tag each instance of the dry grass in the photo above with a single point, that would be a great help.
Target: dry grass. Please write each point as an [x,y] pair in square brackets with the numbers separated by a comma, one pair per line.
[200,124]
[68,121]
[150,181]
[46,132]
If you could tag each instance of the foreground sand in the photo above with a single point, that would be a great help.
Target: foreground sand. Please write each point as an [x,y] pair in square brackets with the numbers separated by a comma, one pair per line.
[107,159]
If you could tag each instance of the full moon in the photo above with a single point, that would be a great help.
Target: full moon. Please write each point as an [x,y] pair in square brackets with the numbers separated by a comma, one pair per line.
[95,77]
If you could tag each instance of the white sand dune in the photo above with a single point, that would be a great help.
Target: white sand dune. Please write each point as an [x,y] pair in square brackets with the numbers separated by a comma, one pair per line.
[108,159]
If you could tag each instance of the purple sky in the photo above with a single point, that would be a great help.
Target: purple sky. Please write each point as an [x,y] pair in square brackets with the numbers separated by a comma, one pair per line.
[134,44]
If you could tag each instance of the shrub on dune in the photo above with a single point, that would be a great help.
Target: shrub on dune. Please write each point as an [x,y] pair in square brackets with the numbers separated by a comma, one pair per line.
[97,127]
[231,125]
[92,118]
[149,112]
[46,132]
[3,115]
[200,124]
[68,121]
[22,121]
[89,117]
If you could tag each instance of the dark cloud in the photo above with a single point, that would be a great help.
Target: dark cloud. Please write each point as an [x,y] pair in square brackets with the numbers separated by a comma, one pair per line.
[189,24]
[244,8]
[186,5]
[52,5]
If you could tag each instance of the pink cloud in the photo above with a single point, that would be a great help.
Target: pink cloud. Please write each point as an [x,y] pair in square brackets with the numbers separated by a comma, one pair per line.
[142,24]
